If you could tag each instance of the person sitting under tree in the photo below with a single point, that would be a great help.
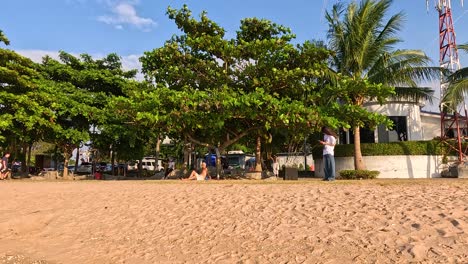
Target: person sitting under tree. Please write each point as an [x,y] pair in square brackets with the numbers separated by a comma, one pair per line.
[202,176]
[170,168]
[4,171]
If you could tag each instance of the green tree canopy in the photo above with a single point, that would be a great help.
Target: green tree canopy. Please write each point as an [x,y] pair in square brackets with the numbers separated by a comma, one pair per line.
[213,91]
[84,87]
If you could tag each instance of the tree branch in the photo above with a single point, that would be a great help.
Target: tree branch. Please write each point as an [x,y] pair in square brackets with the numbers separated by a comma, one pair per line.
[239,136]
[191,139]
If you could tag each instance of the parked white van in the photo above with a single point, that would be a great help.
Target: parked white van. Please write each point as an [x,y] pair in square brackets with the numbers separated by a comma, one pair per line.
[149,163]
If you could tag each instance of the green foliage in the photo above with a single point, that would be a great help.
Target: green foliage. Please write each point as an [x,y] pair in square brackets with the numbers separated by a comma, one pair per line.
[57,101]
[84,89]
[458,86]
[244,147]
[27,107]
[349,95]
[3,38]
[463,47]
[364,40]
[358,174]
[214,91]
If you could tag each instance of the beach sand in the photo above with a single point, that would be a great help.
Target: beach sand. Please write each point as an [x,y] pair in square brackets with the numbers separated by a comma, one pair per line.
[381,221]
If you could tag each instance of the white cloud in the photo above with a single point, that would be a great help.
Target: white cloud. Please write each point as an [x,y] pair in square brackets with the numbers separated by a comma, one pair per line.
[129,62]
[37,55]
[125,13]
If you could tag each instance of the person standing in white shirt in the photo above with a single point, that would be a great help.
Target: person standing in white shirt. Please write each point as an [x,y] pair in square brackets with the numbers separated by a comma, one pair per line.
[275,166]
[329,142]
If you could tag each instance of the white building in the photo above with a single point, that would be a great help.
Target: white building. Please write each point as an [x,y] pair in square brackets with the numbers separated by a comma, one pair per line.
[410,124]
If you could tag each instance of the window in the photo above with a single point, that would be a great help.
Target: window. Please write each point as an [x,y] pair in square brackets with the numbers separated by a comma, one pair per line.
[399,131]
[347,137]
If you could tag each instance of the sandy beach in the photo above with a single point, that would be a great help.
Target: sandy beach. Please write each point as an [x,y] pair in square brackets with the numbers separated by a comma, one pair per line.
[382,221]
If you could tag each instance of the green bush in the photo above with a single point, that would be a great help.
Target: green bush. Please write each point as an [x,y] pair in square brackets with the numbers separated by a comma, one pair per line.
[358,174]
[432,147]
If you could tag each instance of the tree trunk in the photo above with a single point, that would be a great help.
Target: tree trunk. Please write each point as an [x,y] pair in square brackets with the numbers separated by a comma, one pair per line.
[112,159]
[77,157]
[258,155]
[186,154]
[56,158]
[358,161]
[28,159]
[158,150]
[67,153]
[218,162]
[24,164]
[140,168]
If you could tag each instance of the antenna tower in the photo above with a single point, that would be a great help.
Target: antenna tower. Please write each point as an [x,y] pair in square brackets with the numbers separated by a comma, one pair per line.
[448,58]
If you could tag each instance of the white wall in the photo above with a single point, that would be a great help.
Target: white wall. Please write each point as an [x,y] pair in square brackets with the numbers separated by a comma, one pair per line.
[406,167]
[408,109]
[294,160]
[430,126]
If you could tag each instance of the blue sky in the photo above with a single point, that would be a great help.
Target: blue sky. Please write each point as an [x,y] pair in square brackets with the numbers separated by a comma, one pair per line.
[130,27]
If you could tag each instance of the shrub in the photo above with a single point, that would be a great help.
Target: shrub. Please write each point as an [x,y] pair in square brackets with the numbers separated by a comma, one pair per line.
[358,174]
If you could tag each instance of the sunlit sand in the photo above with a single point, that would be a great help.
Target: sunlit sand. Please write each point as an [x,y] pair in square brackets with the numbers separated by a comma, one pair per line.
[382,221]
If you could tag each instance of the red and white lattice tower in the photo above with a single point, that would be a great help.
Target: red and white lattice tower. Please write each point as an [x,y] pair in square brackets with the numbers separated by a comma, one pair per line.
[448,58]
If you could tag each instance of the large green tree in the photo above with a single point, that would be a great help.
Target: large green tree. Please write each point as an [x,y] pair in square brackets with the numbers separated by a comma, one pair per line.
[363,37]
[63,101]
[27,109]
[213,91]
[84,88]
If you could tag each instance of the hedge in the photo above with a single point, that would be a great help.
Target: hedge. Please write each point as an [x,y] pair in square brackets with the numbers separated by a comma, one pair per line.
[358,174]
[432,147]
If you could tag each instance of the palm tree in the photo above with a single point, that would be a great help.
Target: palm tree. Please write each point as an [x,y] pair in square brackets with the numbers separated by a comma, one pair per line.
[364,40]
[458,85]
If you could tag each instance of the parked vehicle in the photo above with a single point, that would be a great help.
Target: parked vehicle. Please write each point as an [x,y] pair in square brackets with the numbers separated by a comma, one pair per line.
[149,163]
[132,165]
[108,167]
[71,168]
[101,166]
[237,159]
[85,168]
[210,160]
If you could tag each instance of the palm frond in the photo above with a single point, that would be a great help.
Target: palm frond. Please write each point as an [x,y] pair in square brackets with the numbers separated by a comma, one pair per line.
[403,68]
[363,40]
[414,94]
[457,89]
[463,47]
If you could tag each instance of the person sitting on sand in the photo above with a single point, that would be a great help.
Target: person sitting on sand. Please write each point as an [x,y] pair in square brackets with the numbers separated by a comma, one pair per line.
[4,171]
[203,174]
[170,168]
